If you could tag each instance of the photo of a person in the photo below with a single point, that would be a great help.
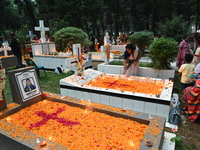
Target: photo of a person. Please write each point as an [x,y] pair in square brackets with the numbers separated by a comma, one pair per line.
[29,86]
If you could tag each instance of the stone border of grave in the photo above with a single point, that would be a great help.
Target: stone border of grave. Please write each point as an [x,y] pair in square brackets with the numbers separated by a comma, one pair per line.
[143,71]
[155,122]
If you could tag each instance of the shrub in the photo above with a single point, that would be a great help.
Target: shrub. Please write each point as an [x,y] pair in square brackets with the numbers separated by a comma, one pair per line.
[66,37]
[163,51]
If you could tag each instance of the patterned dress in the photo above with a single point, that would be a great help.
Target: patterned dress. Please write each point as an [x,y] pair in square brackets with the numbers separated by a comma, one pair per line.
[185,49]
[192,98]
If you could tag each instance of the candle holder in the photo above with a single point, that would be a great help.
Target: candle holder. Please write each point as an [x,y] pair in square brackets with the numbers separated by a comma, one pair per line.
[149,143]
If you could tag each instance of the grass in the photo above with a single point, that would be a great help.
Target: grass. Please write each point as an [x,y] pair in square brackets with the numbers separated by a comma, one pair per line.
[188,132]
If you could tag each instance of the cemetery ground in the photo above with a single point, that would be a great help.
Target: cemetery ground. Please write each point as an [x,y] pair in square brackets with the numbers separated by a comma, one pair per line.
[187,136]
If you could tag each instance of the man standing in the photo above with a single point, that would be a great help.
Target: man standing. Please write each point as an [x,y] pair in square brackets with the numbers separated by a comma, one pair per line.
[15,47]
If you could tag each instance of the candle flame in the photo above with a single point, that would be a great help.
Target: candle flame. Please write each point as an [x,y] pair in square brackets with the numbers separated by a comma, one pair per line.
[132,144]
[8,119]
[50,138]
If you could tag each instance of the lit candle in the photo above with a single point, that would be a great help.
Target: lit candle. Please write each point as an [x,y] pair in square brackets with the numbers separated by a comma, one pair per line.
[89,101]
[50,138]
[86,111]
[42,143]
[8,119]
[132,144]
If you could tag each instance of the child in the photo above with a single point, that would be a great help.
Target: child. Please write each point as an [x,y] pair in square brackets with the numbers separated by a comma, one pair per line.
[185,70]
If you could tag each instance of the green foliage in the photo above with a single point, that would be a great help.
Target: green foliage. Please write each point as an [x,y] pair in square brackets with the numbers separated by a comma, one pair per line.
[162,52]
[66,37]
[174,28]
[141,39]
[118,63]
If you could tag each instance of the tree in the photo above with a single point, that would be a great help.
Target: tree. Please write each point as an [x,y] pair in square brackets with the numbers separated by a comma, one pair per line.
[174,28]
[66,37]
[141,39]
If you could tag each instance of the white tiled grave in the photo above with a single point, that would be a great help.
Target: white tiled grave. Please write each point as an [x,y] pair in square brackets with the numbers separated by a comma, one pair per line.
[73,86]
[143,71]
[65,62]
[100,56]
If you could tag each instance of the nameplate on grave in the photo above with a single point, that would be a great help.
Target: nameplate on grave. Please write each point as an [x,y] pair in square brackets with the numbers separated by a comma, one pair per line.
[9,61]
[24,85]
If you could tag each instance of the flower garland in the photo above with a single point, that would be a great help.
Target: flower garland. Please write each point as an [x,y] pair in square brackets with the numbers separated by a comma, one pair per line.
[127,85]
[80,66]
[2,81]
[89,130]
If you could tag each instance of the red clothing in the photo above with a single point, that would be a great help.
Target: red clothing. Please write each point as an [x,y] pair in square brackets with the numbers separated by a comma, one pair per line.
[192,97]
[185,49]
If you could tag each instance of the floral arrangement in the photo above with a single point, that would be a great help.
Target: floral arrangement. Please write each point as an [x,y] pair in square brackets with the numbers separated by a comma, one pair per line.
[2,81]
[80,66]
[76,128]
[121,84]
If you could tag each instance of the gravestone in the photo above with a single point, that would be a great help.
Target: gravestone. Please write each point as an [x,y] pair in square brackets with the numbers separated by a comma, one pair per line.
[24,85]
[42,30]
[5,49]
[106,39]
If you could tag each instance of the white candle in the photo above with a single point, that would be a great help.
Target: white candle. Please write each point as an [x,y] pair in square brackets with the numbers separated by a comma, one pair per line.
[86,111]
[89,101]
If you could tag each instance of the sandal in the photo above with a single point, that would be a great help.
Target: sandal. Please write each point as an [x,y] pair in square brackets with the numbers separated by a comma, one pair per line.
[185,112]
[193,122]
[183,108]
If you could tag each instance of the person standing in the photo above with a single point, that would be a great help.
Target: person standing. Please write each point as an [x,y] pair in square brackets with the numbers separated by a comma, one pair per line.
[196,58]
[184,48]
[131,65]
[16,48]
[186,70]
[92,39]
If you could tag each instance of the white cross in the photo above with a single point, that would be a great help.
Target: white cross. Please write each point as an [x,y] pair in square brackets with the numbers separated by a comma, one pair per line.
[42,30]
[5,48]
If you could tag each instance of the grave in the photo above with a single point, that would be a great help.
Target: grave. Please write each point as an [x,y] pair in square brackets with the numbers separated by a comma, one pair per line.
[18,138]
[143,71]
[79,87]
[50,59]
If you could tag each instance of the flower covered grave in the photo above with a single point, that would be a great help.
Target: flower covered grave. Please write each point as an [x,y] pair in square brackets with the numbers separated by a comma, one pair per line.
[81,124]
[142,94]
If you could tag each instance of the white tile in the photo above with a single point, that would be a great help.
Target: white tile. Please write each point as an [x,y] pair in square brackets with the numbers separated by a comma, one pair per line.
[151,73]
[104,99]
[127,104]
[167,144]
[150,108]
[143,72]
[168,74]
[71,93]
[162,110]
[158,74]
[78,94]
[86,96]
[116,102]
[95,98]
[63,91]
[138,106]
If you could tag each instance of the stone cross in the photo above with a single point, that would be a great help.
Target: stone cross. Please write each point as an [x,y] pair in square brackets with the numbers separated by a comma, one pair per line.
[42,30]
[5,48]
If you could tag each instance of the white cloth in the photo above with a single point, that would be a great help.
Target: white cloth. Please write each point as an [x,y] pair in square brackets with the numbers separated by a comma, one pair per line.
[197,68]
[196,59]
